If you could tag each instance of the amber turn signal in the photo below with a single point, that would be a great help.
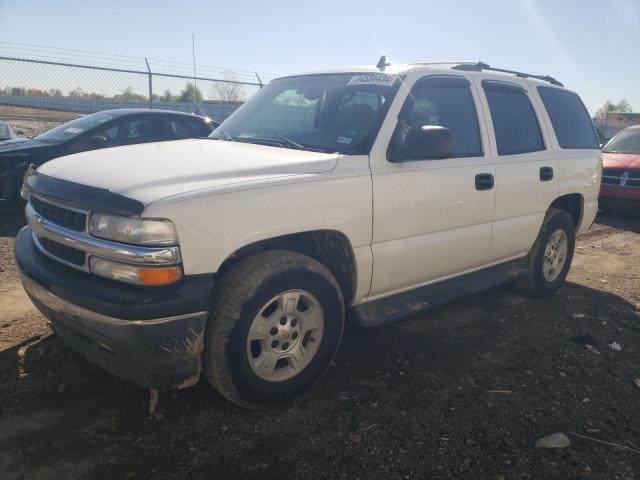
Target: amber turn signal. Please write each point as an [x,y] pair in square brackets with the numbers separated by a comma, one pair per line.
[159,276]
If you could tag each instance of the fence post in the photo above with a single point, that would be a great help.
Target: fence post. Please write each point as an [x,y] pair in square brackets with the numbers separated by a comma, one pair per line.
[150,83]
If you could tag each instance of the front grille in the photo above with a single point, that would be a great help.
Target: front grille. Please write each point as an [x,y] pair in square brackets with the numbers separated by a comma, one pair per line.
[621,178]
[610,180]
[68,254]
[59,215]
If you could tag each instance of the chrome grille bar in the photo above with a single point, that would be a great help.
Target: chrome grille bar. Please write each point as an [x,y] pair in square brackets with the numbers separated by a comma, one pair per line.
[43,228]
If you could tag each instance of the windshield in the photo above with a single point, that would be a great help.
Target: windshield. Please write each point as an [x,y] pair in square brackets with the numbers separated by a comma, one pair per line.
[74,127]
[327,113]
[5,132]
[627,141]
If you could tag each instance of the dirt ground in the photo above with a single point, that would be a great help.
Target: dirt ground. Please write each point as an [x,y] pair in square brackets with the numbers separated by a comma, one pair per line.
[461,392]
[33,121]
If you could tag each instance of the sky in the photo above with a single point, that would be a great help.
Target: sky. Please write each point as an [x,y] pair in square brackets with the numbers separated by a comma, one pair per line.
[592,46]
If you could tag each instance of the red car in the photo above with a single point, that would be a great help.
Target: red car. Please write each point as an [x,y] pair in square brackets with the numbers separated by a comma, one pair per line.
[620,189]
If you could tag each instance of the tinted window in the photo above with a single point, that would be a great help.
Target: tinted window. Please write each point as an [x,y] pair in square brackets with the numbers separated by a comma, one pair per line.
[116,134]
[447,102]
[569,118]
[514,120]
[136,131]
[179,128]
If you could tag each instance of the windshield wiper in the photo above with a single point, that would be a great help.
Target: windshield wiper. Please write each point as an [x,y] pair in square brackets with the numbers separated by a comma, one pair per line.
[288,141]
[281,141]
[227,136]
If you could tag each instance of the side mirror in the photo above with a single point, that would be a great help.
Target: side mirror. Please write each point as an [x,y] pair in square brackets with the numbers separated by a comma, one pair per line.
[428,142]
[99,141]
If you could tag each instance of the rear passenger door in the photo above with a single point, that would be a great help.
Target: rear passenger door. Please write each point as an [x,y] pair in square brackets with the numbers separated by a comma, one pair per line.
[526,166]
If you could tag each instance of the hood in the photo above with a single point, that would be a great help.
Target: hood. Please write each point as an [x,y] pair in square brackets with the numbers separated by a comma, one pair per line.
[149,172]
[621,161]
[21,145]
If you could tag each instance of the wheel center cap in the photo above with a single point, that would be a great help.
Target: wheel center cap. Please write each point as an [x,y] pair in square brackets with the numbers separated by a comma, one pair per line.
[285,333]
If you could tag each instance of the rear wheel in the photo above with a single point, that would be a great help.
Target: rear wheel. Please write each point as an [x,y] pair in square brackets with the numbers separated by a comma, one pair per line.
[276,323]
[550,257]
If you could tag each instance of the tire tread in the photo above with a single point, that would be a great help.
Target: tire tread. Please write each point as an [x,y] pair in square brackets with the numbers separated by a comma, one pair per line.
[236,286]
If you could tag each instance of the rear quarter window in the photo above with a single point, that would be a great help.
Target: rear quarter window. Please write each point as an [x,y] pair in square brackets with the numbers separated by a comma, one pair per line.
[569,118]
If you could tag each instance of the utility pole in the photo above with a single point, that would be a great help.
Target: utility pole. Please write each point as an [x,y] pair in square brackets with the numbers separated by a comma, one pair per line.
[195,83]
[150,83]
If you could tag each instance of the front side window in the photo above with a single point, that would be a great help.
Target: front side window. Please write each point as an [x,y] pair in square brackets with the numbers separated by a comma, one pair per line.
[627,141]
[123,132]
[569,118]
[327,113]
[514,120]
[446,101]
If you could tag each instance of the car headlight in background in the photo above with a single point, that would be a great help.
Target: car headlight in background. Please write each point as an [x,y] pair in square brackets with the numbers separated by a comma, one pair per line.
[137,231]
[24,189]
[137,275]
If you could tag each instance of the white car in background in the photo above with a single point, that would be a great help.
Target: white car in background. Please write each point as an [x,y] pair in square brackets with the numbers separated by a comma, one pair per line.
[7,133]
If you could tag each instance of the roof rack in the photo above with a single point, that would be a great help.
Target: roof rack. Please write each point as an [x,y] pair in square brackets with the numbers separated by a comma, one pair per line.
[480,66]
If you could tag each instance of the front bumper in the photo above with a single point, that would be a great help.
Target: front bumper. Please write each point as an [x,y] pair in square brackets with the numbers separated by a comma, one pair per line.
[151,336]
[614,197]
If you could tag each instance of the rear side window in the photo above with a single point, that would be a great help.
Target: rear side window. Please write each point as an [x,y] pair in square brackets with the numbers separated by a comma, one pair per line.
[569,118]
[514,120]
[181,128]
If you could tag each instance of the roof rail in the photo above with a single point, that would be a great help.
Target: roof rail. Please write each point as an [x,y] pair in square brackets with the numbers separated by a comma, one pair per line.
[454,62]
[480,66]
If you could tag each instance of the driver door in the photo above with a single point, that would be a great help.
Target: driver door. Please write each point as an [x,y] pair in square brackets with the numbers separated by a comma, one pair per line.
[432,218]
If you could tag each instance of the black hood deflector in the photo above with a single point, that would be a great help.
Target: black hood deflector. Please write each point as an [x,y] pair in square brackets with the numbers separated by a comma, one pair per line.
[83,196]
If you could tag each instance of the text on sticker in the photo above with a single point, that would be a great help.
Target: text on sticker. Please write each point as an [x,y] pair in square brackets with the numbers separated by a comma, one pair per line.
[372,79]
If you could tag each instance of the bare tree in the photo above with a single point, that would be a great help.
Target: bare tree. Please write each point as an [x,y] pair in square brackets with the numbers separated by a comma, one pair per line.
[228,90]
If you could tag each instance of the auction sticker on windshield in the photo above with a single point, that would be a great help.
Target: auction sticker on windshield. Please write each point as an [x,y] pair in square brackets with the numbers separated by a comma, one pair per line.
[372,79]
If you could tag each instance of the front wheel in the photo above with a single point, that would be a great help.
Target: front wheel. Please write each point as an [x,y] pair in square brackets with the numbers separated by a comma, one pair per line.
[276,323]
[550,257]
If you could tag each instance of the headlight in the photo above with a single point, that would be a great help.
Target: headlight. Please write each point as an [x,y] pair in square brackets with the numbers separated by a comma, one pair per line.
[24,190]
[137,275]
[137,231]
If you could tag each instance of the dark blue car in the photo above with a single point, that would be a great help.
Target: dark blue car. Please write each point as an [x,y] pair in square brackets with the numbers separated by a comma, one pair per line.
[110,128]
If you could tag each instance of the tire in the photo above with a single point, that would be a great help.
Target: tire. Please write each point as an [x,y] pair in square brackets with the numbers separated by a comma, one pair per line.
[233,362]
[535,282]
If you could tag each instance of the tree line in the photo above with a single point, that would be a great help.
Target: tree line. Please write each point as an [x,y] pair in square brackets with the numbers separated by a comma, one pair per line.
[219,92]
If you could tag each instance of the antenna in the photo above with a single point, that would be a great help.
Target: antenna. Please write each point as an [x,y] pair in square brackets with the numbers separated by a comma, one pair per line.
[382,63]
[259,80]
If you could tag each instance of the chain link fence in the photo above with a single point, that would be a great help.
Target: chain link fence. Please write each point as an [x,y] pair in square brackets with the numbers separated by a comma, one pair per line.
[74,81]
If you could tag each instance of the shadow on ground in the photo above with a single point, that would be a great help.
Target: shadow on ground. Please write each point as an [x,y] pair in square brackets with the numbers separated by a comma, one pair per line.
[463,391]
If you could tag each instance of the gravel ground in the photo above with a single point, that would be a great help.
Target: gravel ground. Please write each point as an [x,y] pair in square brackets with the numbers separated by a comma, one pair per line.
[461,392]
[33,121]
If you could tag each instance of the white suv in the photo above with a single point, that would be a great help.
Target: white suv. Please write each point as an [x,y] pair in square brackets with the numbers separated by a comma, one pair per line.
[378,191]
